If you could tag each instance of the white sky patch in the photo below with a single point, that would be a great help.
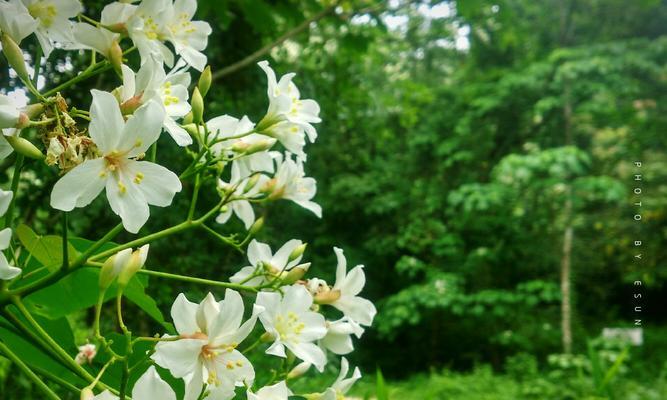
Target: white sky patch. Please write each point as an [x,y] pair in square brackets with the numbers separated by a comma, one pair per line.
[399,23]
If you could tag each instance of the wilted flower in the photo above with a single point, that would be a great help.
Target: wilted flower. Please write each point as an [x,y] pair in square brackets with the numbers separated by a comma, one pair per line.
[86,354]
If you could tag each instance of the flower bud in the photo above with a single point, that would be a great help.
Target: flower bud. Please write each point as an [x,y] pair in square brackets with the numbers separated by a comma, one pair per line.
[136,262]
[297,252]
[197,103]
[205,79]
[119,27]
[266,337]
[130,105]
[295,274]
[188,118]
[34,110]
[256,227]
[327,297]
[260,145]
[87,394]
[252,181]
[14,56]
[191,129]
[25,147]
[299,370]
[115,57]
[112,267]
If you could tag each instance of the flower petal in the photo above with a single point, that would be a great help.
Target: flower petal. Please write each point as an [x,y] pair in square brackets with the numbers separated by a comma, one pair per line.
[151,386]
[180,357]
[156,183]
[142,129]
[80,186]
[183,313]
[106,122]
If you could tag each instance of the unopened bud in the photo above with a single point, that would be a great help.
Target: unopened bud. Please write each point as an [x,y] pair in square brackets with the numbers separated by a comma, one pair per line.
[252,181]
[197,103]
[135,263]
[191,129]
[299,370]
[112,267]
[297,252]
[34,110]
[87,394]
[25,147]
[295,274]
[327,297]
[188,118]
[205,79]
[14,56]
[260,145]
[256,227]
[115,57]
[130,105]
[119,27]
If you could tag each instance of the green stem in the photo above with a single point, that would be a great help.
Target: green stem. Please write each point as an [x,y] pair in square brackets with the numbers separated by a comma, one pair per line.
[58,380]
[53,344]
[195,195]
[65,242]
[153,154]
[145,239]
[26,370]
[62,272]
[192,279]
[9,217]
[38,65]
[221,238]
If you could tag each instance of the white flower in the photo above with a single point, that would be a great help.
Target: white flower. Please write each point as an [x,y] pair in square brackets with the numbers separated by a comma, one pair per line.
[242,208]
[161,20]
[288,116]
[101,39]
[86,354]
[6,271]
[53,20]
[5,148]
[342,385]
[15,20]
[131,185]
[9,112]
[188,37]
[348,285]
[210,333]
[290,183]
[263,261]
[231,136]
[292,324]
[169,90]
[279,391]
[148,387]
[338,339]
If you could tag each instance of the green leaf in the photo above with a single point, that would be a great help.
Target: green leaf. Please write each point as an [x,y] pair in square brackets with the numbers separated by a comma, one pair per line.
[381,390]
[36,357]
[48,250]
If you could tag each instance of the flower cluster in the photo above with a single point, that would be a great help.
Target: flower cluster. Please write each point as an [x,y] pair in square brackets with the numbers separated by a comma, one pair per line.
[111,147]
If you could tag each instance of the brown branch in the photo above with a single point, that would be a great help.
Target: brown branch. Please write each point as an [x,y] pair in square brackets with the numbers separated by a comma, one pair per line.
[230,69]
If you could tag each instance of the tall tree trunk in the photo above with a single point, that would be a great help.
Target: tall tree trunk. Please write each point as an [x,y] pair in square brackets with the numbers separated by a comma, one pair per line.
[568,232]
[565,277]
